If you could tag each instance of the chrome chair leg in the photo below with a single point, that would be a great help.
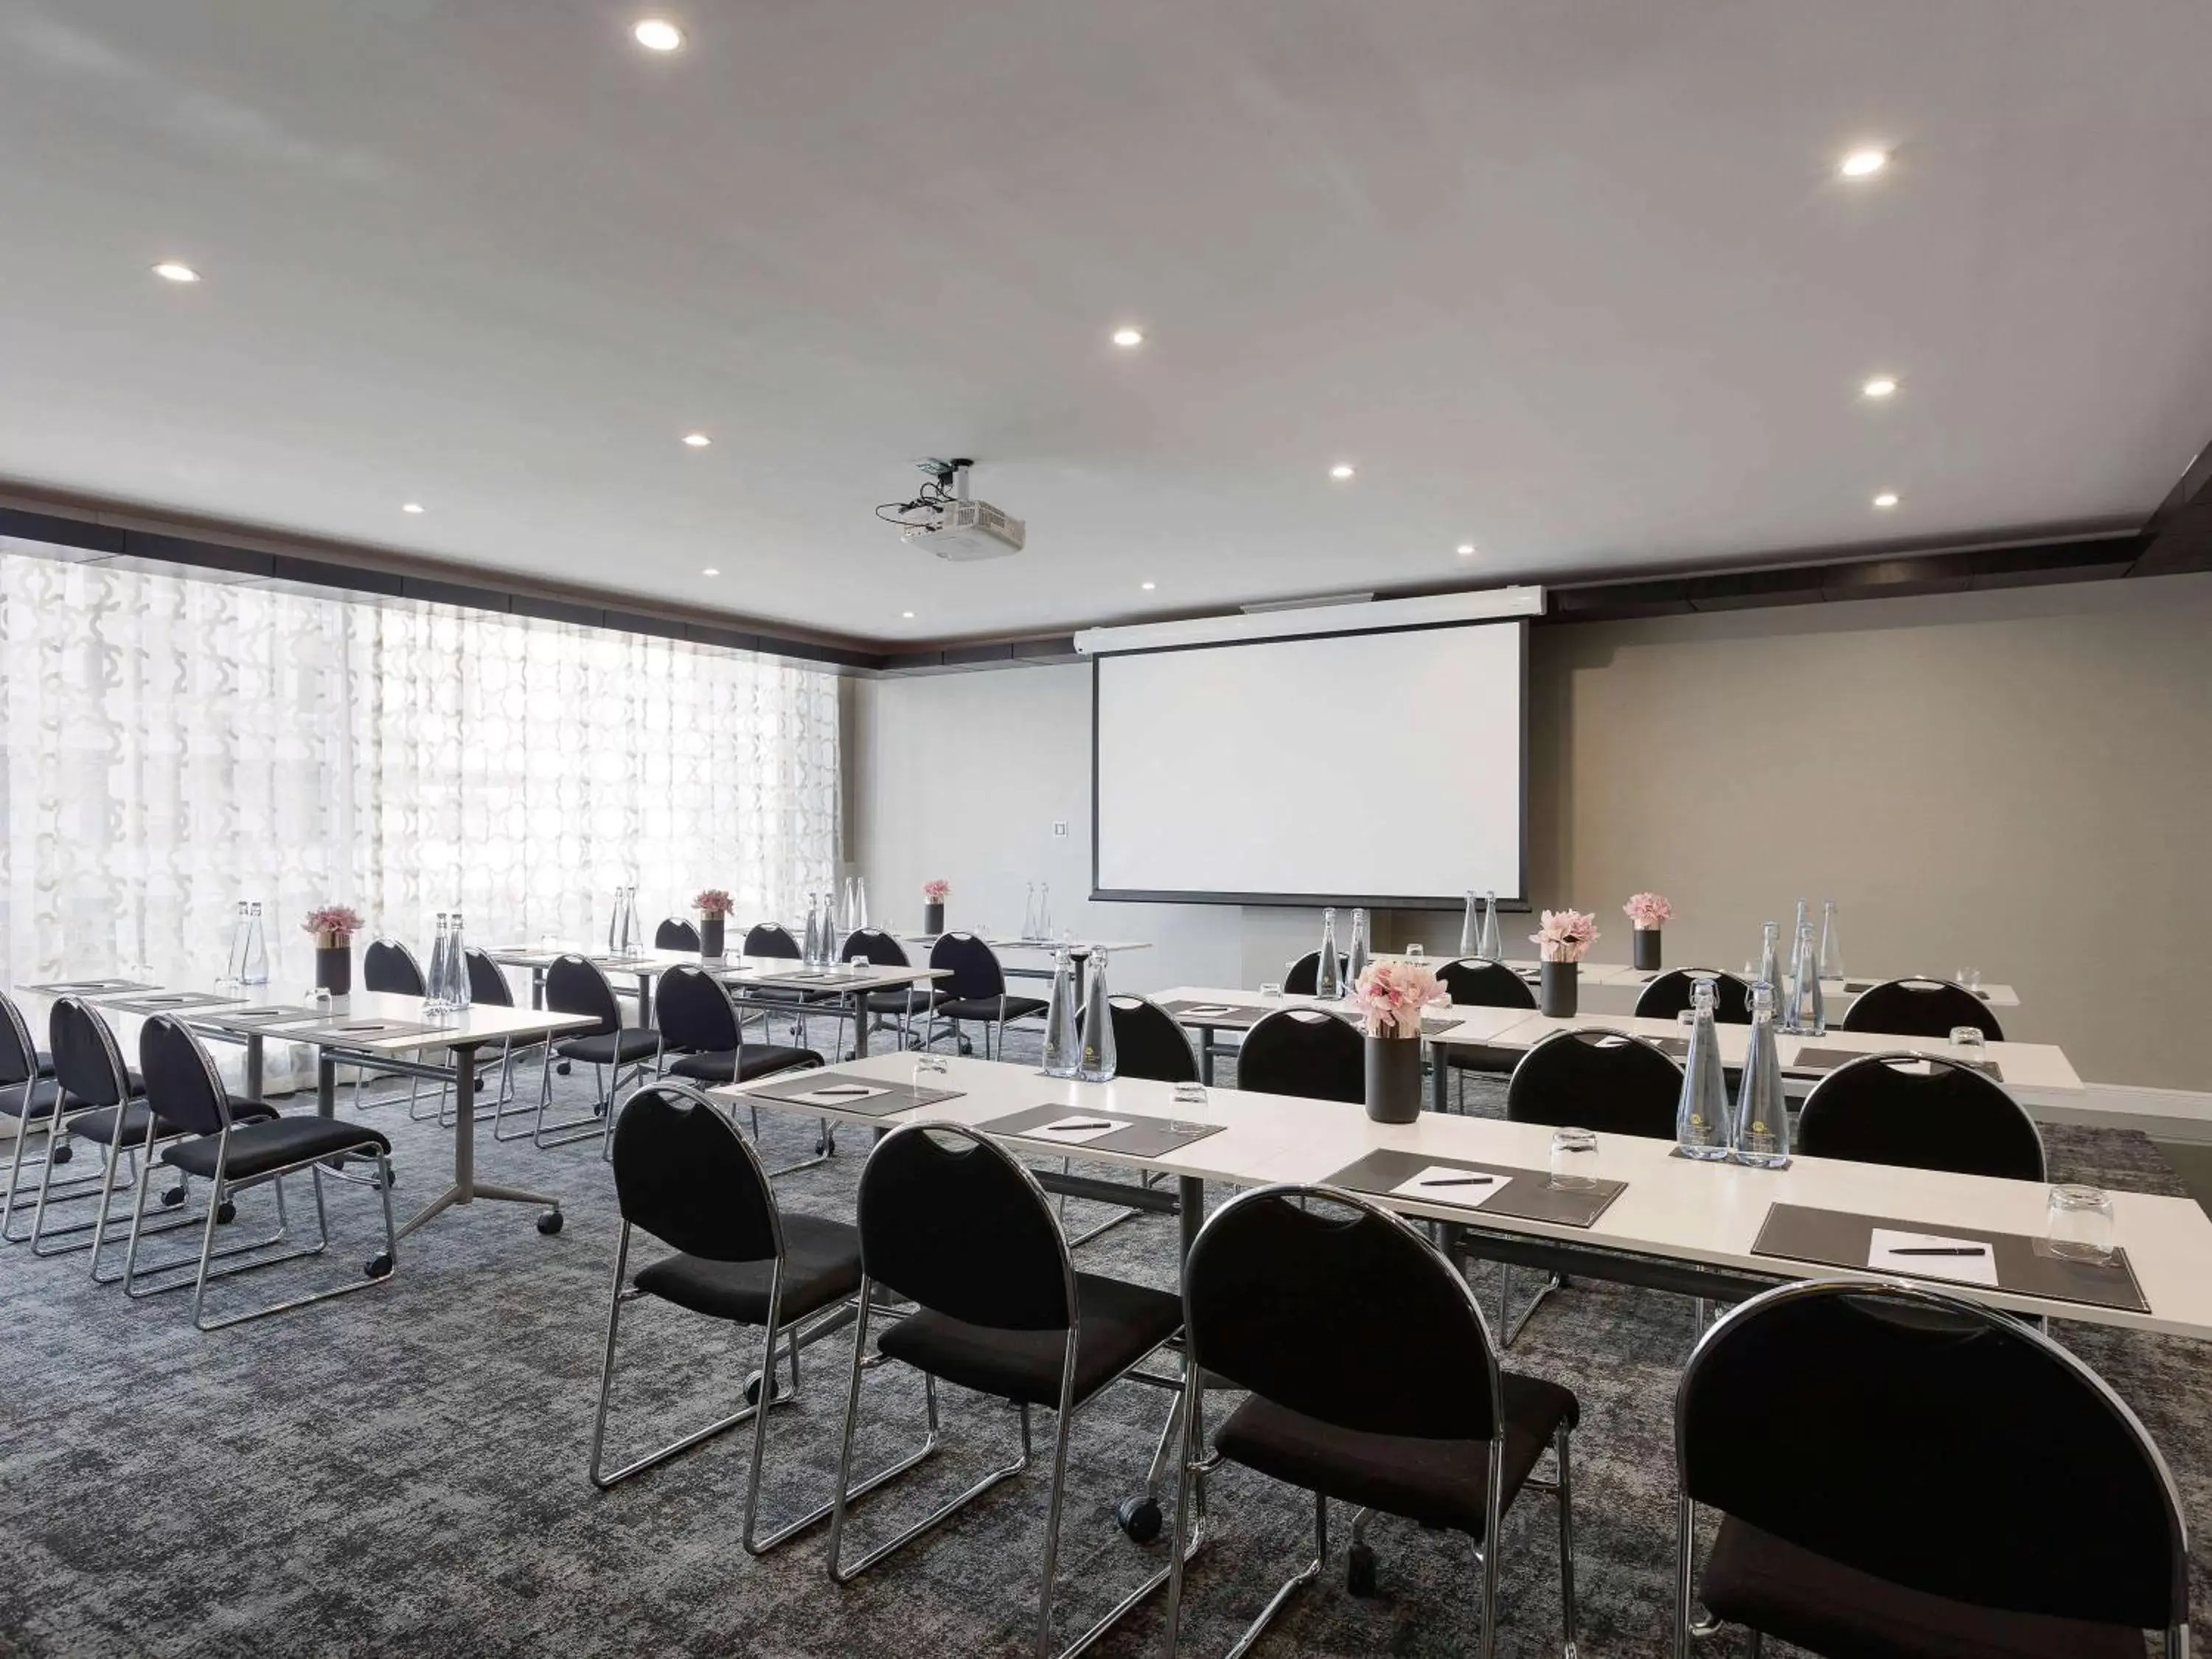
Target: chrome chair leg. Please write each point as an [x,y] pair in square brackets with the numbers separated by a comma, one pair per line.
[1566,1499]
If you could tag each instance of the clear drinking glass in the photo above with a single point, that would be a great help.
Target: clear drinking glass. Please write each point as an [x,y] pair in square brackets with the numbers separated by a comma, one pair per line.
[2079,1224]
[1970,1038]
[1574,1160]
[1189,1112]
[1971,978]
[1415,953]
[930,1072]
[1272,990]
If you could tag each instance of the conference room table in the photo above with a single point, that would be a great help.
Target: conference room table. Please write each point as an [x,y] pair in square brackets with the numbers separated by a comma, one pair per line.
[1619,981]
[1081,947]
[1677,1225]
[371,1030]
[2035,1073]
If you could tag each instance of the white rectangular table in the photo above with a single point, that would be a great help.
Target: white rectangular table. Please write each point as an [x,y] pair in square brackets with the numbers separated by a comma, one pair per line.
[1679,1226]
[1619,982]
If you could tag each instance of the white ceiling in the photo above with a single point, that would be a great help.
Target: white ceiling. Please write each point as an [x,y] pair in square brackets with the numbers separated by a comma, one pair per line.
[1574,280]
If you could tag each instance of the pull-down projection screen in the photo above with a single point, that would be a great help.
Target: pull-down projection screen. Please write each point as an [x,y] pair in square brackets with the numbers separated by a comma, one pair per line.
[1384,768]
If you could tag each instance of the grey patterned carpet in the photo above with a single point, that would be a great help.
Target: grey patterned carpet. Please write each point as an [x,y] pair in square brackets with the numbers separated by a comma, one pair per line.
[402,1471]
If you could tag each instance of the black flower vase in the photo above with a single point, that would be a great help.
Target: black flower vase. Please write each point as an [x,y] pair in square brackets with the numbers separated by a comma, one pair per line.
[1555,993]
[711,937]
[334,969]
[1647,947]
[933,918]
[1393,1078]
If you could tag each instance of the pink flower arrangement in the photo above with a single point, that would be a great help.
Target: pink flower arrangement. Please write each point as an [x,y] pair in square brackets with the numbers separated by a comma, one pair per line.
[711,902]
[935,890]
[333,919]
[1565,935]
[1391,994]
[1649,909]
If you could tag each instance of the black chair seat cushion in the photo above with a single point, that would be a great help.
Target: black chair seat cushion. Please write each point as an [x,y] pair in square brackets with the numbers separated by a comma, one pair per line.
[272,1143]
[611,1047]
[1439,1483]
[988,1008]
[1120,1324]
[1754,1578]
[898,1002]
[742,1064]
[41,1104]
[100,1125]
[822,1263]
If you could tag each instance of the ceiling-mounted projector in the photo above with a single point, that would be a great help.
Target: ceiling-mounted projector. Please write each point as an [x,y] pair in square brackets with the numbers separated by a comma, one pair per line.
[944,518]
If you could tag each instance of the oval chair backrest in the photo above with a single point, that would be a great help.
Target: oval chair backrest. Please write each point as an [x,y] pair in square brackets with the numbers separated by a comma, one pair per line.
[1406,1351]
[389,966]
[1304,1051]
[1148,1043]
[693,1012]
[676,934]
[1479,982]
[182,1085]
[487,979]
[974,964]
[685,1175]
[1917,1113]
[574,984]
[876,946]
[1596,1080]
[87,1062]
[771,938]
[950,1220]
[1301,976]
[1927,1440]
[1920,1008]
[19,1054]
[1669,995]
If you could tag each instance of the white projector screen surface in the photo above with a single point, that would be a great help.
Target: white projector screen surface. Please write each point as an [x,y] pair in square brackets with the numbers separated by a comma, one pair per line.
[1372,767]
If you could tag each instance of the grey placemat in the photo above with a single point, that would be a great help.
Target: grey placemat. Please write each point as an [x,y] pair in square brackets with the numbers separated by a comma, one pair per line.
[1525,1195]
[1840,1238]
[339,1030]
[1145,1137]
[623,962]
[1827,1059]
[895,1098]
[1225,1016]
[261,1014]
[90,988]
[170,1002]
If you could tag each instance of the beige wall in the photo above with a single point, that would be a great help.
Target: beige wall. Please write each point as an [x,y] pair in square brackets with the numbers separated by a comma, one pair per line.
[2019,781]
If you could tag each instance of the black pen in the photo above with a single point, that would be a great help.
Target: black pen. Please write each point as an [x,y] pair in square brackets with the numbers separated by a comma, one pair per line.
[1940,1249]
[1062,1129]
[842,1089]
[1464,1180]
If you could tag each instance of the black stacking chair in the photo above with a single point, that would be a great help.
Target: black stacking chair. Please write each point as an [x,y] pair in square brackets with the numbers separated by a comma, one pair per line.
[676,934]
[772,938]
[903,1004]
[1479,982]
[1401,1409]
[698,1022]
[950,1221]
[29,1094]
[1901,1472]
[1301,976]
[685,1177]
[1304,1051]
[388,966]
[574,984]
[186,1095]
[1148,1043]
[1920,1008]
[1919,1112]
[977,990]
[1669,995]
[1608,1081]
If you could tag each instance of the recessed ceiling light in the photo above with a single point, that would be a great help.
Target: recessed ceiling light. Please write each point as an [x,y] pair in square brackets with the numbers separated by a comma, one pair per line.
[411,507]
[1129,337]
[170,270]
[1886,499]
[1466,550]
[697,439]
[710,571]
[658,34]
[909,615]
[1148,586]
[1340,472]
[1863,163]
[1882,386]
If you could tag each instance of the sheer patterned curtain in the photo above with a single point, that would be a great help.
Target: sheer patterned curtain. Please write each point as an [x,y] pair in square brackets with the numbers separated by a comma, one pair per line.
[174,746]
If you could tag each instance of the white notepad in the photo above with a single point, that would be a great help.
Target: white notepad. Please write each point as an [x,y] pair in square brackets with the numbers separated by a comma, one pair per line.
[1207,1008]
[1883,1247]
[1077,1128]
[1421,1184]
[840,1094]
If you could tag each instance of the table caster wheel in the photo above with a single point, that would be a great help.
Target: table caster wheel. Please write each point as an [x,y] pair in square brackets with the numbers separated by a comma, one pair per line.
[173,1198]
[1138,1517]
[63,1153]
[562,1070]
[1359,1571]
[598,1109]
[225,1214]
[549,1223]
[380,1265]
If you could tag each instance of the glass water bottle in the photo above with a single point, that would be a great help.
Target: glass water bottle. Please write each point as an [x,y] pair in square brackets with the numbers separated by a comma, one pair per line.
[458,996]
[1701,1120]
[1029,913]
[1044,910]
[1807,1013]
[439,977]
[1832,943]
[1097,1025]
[1770,954]
[812,944]
[1762,1115]
[1470,928]
[860,903]
[1490,945]
[233,970]
[1063,1037]
[1357,965]
[1328,971]
[255,971]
